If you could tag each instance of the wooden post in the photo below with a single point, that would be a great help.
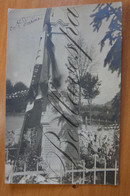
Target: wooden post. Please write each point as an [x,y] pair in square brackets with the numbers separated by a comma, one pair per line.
[94,170]
[24,168]
[61,174]
[115,181]
[105,171]
[80,179]
[72,173]
[37,166]
[83,172]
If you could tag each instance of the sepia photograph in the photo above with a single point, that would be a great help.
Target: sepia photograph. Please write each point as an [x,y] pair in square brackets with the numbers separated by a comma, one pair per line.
[63,84]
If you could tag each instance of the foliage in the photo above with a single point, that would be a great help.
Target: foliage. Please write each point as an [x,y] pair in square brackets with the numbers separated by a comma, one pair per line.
[18,101]
[102,152]
[77,65]
[108,12]
[19,86]
[109,111]
[116,107]
[9,87]
[90,86]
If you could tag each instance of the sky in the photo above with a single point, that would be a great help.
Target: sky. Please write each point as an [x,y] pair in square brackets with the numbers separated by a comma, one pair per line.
[24,30]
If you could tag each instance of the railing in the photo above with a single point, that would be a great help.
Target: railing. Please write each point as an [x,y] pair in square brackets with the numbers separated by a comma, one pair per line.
[24,173]
[73,172]
[83,171]
[102,122]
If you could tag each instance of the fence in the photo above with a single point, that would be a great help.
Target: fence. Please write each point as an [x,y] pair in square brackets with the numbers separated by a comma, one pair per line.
[82,174]
[82,178]
[24,173]
[100,122]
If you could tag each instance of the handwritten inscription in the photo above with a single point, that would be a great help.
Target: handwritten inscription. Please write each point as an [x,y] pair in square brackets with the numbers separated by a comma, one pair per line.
[25,21]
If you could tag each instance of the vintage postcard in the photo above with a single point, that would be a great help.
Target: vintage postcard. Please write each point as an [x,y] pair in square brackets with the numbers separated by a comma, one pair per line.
[63,82]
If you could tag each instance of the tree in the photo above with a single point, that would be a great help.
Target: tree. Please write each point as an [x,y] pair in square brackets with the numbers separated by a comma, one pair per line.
[90,85]
[116,107]
[9,87]
[9,91]
[18,100]
[20,86]
[78,64]
[110,12]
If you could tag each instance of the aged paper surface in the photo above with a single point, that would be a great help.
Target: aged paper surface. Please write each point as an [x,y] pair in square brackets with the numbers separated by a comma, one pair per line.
[63,95]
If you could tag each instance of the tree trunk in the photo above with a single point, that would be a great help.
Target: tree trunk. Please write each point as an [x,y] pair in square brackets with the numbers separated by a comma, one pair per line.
[90,111]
